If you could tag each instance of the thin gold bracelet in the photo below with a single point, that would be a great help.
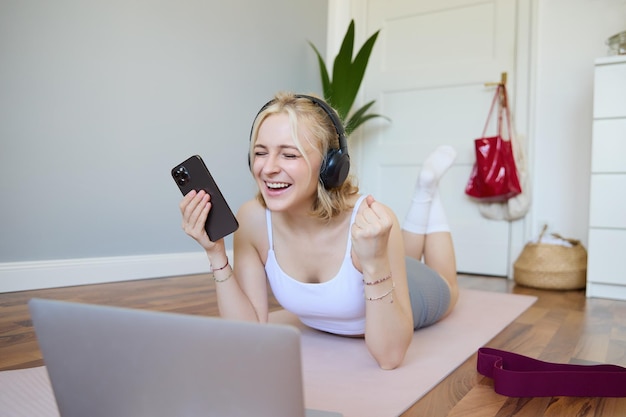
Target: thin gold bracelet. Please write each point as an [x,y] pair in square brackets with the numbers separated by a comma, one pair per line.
[378,281]
[393,287]
[230,274]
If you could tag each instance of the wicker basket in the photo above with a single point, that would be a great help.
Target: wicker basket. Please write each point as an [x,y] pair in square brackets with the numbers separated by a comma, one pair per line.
[553,267]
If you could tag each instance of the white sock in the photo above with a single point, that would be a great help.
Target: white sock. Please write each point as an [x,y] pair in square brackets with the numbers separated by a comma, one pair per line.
[417,219]
[434,167]
[437,220]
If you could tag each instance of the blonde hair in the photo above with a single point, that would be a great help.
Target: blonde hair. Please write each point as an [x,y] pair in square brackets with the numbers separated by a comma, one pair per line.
[322,137]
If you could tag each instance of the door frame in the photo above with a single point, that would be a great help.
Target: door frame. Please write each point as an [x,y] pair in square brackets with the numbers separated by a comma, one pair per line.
[522,86]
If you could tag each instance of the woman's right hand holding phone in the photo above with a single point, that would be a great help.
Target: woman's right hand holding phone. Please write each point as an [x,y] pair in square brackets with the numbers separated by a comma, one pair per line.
[195,207]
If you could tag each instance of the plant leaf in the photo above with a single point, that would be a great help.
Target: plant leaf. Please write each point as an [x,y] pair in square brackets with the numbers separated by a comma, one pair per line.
[347,81]
[359,65]
[362,110]
[347,75]
[341,74]
[354,123]
[326,84]
[357,71]
[359,117]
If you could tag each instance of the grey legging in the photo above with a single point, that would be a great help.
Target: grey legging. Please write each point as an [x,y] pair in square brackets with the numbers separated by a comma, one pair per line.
[430,295]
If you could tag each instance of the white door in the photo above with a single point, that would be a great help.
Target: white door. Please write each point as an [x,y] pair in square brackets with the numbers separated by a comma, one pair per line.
[427,73]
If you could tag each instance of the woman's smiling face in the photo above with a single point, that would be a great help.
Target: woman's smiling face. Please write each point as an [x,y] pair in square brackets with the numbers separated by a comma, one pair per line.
[284,177]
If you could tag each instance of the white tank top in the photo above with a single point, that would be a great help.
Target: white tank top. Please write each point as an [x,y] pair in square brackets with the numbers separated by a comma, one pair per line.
[335,306]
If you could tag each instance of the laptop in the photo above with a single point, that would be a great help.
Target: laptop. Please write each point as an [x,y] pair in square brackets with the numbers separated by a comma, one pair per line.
[118,362]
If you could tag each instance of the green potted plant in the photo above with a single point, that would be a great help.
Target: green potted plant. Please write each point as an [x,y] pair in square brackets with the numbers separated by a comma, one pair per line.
[340,91]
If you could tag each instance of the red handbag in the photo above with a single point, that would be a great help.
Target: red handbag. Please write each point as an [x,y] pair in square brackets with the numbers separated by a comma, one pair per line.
[494,175]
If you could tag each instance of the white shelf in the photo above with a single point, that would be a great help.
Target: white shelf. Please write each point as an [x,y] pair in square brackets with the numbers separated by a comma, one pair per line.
[611,59]
[606,277]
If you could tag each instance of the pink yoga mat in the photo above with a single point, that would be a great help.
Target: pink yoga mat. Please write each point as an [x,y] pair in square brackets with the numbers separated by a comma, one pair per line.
[339,373]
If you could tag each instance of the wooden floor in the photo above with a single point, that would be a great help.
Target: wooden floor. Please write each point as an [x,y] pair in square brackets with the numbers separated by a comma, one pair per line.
[560,327]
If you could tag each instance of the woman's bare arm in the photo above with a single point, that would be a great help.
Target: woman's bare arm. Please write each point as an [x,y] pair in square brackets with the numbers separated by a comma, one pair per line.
[377,241]
[241,287]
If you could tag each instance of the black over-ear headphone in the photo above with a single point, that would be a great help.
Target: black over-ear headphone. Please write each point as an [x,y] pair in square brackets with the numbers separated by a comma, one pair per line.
[336,164]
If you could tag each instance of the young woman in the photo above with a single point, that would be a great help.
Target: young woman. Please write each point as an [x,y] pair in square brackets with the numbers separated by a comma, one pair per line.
[338,260]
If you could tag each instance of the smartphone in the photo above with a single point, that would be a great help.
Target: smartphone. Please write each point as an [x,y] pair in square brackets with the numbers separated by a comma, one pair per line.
[192,174]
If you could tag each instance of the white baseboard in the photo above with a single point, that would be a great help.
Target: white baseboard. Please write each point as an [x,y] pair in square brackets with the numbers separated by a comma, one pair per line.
[602,290]
[22,276]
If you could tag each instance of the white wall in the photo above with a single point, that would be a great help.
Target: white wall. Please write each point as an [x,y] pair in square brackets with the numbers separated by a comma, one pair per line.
[100,99]
[570,35]
[64,212]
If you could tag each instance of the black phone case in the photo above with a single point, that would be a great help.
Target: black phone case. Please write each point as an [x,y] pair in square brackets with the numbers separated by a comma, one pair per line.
[193,174]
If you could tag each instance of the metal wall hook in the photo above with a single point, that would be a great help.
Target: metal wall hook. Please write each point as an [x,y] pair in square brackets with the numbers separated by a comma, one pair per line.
[502,83]
[503,78]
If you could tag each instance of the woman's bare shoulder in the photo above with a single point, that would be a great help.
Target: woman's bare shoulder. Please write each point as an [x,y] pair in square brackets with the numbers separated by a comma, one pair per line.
[252,234]
[250,208]
[250,214]
[251,217]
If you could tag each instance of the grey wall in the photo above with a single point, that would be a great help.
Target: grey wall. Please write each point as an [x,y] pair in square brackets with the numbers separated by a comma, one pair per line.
[100,99]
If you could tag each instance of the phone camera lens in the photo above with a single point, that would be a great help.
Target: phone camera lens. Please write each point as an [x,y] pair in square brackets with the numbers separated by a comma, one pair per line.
[181,176]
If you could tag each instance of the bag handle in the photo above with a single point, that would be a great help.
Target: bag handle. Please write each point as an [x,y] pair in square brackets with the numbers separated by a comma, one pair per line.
[503,107]
[515,375]
[574,242]
[493,105]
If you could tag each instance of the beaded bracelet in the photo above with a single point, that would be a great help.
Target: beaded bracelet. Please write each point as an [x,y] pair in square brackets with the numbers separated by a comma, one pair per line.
[219,269]
[393,287]
[378,281]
